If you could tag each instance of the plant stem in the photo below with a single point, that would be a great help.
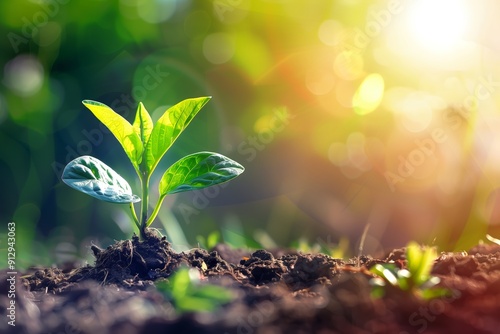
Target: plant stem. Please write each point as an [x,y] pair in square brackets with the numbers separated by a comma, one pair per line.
[145,204]
[155,211]
[134,215]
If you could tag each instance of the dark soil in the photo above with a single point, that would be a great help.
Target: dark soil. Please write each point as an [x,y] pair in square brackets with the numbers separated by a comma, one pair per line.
[276,292]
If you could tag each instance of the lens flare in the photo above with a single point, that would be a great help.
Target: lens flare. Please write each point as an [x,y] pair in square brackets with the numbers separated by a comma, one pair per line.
[438,25]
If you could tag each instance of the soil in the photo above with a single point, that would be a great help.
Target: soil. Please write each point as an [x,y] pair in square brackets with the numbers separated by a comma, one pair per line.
[275,292]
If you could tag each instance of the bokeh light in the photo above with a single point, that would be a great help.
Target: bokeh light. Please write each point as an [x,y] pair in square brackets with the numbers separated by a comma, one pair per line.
[329,32]
[156,11]
[218,48]
[24,75]
[369,94]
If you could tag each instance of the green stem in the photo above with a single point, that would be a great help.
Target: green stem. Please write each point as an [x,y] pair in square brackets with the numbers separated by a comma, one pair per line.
[145,205]
[155,211]
[134,215]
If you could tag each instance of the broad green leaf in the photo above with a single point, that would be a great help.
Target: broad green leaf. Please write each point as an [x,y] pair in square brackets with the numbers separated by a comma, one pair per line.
[93,177]
[120,128]
[197,171]
[169,127]
[143,125]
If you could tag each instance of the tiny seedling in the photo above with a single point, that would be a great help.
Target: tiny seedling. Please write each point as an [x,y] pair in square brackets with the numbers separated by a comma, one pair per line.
[416,279]
[210,241]
[336,251]
[145,143]
[188,294]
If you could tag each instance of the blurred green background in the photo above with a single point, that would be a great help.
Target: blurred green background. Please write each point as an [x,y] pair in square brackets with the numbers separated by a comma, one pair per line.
[344,113]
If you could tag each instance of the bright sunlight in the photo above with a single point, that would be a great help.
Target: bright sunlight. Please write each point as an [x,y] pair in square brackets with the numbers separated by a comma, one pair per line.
[439,25]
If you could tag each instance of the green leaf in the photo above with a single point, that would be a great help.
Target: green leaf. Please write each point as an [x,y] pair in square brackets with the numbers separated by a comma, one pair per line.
[180,283]
[420,262]
[413,258]
[404,279]
[213,239]
[93,177]
[188,295]
[387,272]
[143,125]
[169,127]
[216,294]
[198,171]
[428,257]
[120,128]
[429,294]
[194,304]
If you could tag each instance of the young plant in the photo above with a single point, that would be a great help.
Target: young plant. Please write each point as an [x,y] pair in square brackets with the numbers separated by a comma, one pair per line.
[210,241]
[187,294]
[145,143]
[416,279]
[337,251]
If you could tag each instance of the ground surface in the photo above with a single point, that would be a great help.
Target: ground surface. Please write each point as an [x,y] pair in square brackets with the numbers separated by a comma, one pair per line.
[274,293]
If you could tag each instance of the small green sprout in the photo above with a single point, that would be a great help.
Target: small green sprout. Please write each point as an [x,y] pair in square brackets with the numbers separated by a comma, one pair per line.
[187,294]
[145,143]
[336,251]
[416,279]
[210,241]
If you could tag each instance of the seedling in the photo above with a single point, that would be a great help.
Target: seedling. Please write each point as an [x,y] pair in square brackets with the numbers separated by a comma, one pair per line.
[210,241]
[416,279]
[145,143]
[336,251]
[186,292]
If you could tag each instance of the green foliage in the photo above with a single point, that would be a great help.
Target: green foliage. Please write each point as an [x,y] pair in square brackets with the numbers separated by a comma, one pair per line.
[186,292]
[169,127]
[197,171]
[91,176]
[211,241]
[120,128]
[333,250]
[145,143]
[417,279]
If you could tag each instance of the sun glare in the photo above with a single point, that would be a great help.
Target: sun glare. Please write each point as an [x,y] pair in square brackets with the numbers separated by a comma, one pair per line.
[438,25]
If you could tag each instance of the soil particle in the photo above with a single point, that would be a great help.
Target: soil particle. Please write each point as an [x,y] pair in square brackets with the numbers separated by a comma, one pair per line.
[276,292]
[136,260]
[261,268]
[210,263]
[129,263]
[308,270]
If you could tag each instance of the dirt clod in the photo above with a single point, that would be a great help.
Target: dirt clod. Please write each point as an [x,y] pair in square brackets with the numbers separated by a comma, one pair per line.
[280,293]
